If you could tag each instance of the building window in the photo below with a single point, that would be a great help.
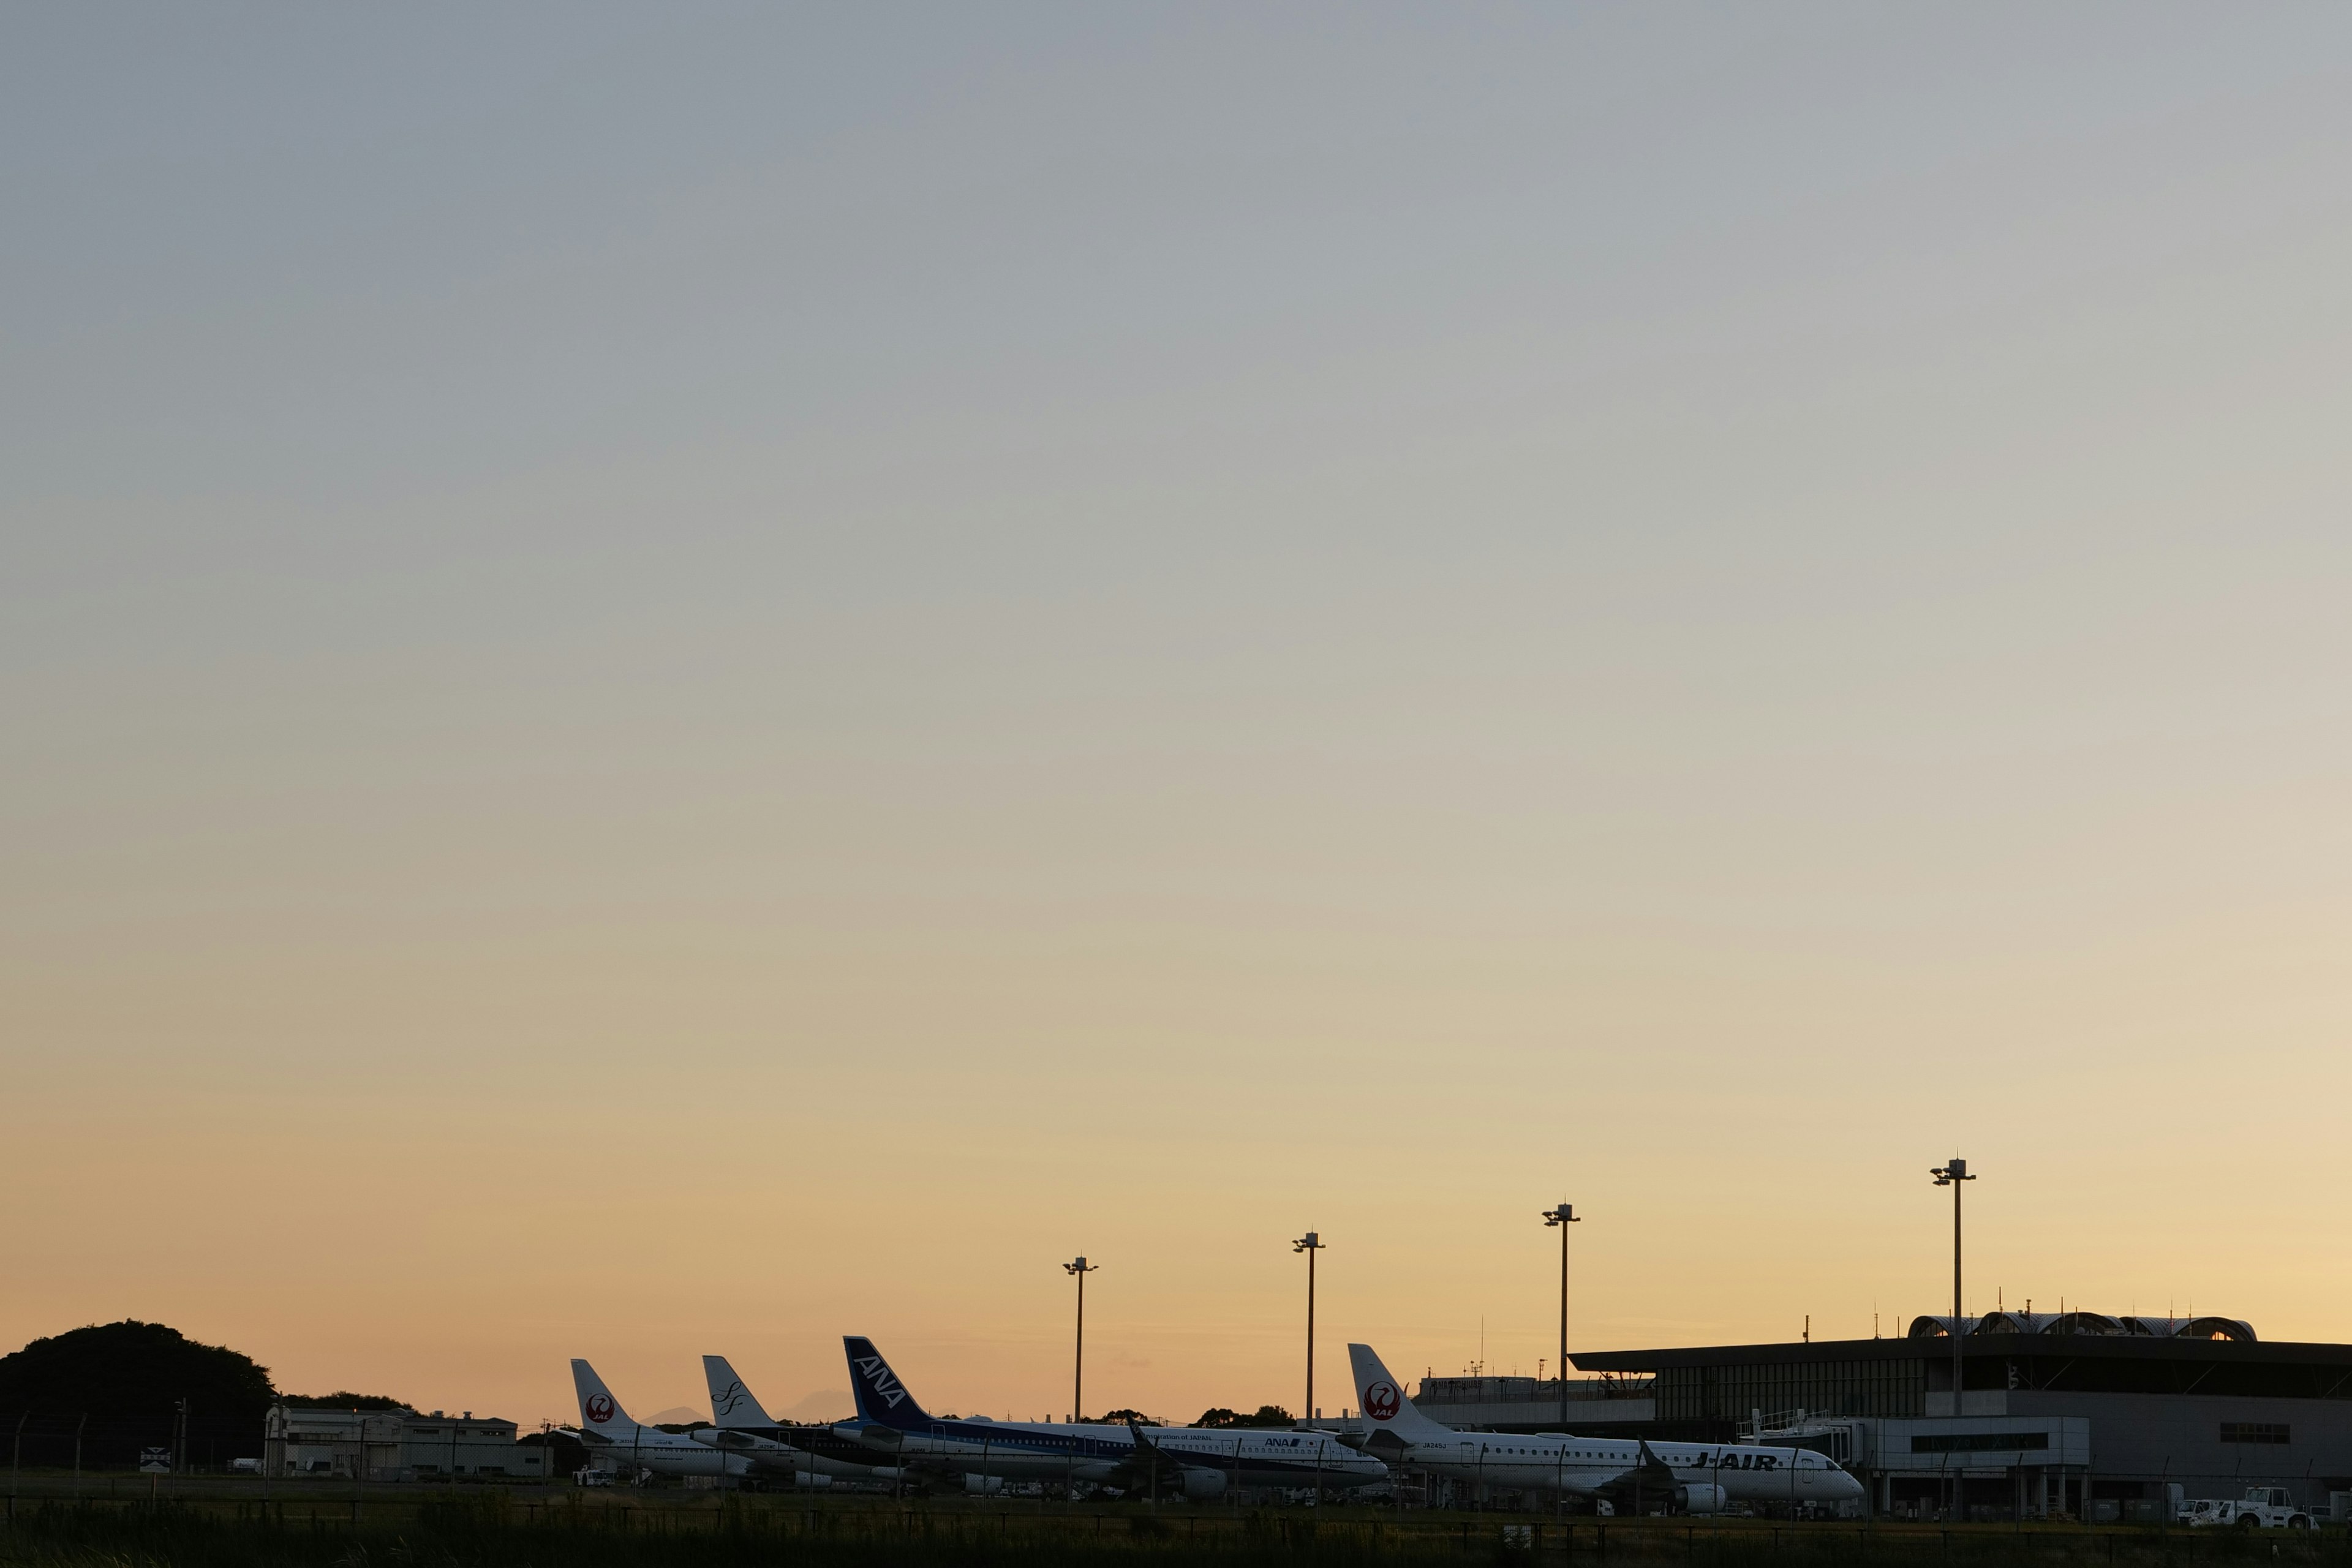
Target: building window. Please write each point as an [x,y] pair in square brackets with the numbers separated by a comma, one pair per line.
[2255,1432]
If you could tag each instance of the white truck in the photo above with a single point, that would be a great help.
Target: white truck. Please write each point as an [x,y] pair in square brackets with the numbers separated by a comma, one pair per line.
[2263,1508]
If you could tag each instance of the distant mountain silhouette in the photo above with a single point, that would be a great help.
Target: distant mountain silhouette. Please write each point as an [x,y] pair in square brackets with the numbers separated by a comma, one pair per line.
[824,1407]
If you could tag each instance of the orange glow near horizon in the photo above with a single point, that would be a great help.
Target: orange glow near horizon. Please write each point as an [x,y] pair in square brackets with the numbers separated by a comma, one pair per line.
[681,684]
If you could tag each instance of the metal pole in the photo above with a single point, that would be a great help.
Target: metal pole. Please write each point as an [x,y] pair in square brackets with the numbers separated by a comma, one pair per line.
[1078,1370]
[1561,1218]
[1309,1244]
[78,1431]
[1951,1175]
[1959,1382]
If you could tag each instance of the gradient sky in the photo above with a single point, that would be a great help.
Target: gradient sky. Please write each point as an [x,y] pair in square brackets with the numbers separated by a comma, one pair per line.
[685,679]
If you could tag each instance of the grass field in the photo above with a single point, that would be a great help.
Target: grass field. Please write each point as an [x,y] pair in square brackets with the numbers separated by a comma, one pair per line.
[425,1528]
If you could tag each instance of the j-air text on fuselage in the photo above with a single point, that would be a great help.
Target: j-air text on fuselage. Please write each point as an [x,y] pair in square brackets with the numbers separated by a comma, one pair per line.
[1697,1478]
[1192,1462]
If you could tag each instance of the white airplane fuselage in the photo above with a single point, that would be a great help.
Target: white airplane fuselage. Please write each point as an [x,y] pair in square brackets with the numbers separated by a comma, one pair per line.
[772,1454]
[1549,1461]
[1698,1476]
[615,1442]
[1068,1451]
[1198,1462]
[631,1447]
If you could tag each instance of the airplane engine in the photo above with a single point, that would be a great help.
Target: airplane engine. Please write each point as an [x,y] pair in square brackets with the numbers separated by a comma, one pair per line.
[1204,1486]
[1700,1498]
[983,1485]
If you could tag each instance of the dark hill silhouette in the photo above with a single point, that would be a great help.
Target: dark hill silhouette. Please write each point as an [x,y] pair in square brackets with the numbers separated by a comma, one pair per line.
[125,1378]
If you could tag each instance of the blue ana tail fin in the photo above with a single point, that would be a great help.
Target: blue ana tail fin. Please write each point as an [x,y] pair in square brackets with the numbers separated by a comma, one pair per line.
[881,1398]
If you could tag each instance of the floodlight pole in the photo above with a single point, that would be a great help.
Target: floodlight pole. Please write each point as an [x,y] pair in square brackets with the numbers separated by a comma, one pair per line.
[1952,1175]
[1309,1244]
[1078,1373]
[1560,1218]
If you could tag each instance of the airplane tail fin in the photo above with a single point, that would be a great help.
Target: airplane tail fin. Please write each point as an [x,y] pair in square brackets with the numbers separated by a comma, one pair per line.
[731,1404]
[599,1411]
[881,1398]
[1385,1407]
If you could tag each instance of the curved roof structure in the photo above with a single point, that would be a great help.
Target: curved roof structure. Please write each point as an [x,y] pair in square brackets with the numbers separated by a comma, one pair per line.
[1940,1328]
[2217,1329]
[2205,1328]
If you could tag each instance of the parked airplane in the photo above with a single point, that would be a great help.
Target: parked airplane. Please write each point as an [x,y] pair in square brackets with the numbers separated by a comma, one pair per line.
[812,1455]
[1698,1478]
[615,1442]
[1195,1462]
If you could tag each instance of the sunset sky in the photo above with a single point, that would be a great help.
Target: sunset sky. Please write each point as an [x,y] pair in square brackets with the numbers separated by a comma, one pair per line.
[686,679]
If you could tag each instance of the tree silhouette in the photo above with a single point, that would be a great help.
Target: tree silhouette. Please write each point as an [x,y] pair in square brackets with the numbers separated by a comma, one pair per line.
[1268,1416]
[129,1378]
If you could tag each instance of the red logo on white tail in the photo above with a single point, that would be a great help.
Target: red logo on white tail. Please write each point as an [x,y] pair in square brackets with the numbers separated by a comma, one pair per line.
[599,1409]
[1380,1401]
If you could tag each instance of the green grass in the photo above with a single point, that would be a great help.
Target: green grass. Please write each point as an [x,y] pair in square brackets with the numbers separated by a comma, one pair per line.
[490,1530]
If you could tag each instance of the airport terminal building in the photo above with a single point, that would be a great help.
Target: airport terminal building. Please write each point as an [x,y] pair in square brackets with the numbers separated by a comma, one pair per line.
[2067,1415]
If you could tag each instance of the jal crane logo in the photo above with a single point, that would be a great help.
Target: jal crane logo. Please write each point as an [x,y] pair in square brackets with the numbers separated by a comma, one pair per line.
[1382,1401]
[599,1409]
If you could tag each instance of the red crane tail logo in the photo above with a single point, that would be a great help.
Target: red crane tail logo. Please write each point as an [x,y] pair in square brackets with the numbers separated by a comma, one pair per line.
[1382,1401]
[599,1409]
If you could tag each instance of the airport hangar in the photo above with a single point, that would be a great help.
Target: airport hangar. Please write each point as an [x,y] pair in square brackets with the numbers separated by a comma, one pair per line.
[2135,1411]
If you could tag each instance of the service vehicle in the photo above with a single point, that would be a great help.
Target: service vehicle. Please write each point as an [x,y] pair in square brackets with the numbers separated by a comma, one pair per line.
[2263,1508]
